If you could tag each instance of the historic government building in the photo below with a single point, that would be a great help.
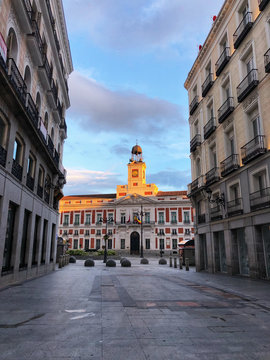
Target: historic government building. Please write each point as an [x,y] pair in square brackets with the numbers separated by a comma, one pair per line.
[35,63]
[136,211]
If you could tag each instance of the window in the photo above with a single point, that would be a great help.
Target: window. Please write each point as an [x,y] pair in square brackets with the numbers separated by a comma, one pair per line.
[86,244]
[12,45]
[161,244]
[75,244]
[65,232]
[196,127]
[97,243]
[109,243]
[86,232]
[18,151]
[230,142]
[187,231]
[99,216]
[147,218]
[186,217]
[31,165]
[98,232]
[44,241]
[234,192]
[161,232]
[174,232]
[210,111]
[161,218]
[226,89]
[76,232]
[77,219]
[123,246]
[173,217]
[40,181]
[198,167]
[47,189]
[66,220]
[9,238]
[110,218]
[25,235]
[213,156]
[174,243]
[87,219]
[260,180]
[110,232]
[3,135]
[147,244]
[123,218]
[27,78]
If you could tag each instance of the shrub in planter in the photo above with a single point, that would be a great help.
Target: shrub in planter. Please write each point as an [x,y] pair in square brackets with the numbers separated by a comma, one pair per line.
[72,259]
[77,252]
[111,263]
[162,261]
[89,263]
[144,261]
[126,263]
[109,252]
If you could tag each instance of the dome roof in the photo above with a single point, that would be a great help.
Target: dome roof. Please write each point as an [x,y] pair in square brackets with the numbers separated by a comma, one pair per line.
[136,150]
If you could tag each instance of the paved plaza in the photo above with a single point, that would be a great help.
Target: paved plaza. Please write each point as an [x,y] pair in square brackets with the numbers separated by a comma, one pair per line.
[143,312]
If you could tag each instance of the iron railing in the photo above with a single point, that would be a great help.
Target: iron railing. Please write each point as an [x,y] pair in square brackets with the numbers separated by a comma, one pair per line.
[17,170]
[40,191]
[225,110]
[50,145]
[196,141]
[194,104]
[209,128]
[3,156]
[17,80]
[47,197]
[30,182]
[262,4]
[212,176]
[253,148]
[32,110]
[235,207]
[260,199]
[247,85]
[28,8]
[206,86]
[222,60]
[230,164]
[36,33]
[197,183]
[243,29]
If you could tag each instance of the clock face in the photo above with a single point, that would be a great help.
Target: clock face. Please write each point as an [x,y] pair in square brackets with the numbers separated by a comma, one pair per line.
[135,173]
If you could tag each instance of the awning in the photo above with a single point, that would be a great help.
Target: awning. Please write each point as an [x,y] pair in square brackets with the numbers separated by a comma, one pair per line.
[186,243]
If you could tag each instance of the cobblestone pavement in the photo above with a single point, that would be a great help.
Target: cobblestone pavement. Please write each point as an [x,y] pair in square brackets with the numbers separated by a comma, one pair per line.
[143,312]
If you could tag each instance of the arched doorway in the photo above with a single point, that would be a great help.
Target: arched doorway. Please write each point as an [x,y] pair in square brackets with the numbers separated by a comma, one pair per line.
[134,243]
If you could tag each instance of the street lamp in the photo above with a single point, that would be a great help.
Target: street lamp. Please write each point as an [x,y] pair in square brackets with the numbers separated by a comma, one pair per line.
[142,213]
[106,236]
[219,200]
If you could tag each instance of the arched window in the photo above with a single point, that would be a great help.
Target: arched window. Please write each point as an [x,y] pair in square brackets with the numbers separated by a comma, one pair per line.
[46,120]
[27,78]
[3,141]
[38,102]
[18,150]
[12,45]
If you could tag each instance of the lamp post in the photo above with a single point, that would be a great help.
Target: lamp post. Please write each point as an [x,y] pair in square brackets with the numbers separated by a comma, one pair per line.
[142,214]
[106,236]
[219,200]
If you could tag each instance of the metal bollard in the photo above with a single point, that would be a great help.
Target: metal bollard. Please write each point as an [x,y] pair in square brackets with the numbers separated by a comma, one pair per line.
[66,259]
[175,262]
[60,262]
[187,264]
[170,261]
[180,263]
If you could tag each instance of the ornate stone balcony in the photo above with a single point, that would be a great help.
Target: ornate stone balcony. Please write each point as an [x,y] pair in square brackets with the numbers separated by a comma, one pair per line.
[253,149]
[206,86]
[24,11]
[247,85]
[223,60]
[225,110]
[35,44]
[229,165]
[242,30]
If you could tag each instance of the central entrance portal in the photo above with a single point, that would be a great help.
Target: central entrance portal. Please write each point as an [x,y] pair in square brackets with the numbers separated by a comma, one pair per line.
[134,243]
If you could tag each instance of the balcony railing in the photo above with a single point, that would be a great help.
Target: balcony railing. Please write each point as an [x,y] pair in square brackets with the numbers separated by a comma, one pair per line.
[186,221]
[267,61]
[223,60]
[47,197]
[197,184]
[195,142]
[174,221]
[260,199]
[193,105]
[40,191]
[17,170]
[161,221]
[201,218]
[161,233]
[46,72]
[253,149]
[206,86]
[30,182]
[50,145]
[3,156]
[225,110]
[56,157]
[229,165]
[212,176]
[216,213]
[247,85]
[235,207]
[16,79]
[262,4]
[242,30]
[32,109]
[209,128]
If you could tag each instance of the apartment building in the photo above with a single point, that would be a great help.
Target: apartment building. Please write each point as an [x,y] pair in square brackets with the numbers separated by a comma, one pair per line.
[229,91]
[137,215]
[35,63]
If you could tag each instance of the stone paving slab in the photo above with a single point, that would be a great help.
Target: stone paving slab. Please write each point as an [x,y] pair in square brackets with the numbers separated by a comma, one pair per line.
[143,312]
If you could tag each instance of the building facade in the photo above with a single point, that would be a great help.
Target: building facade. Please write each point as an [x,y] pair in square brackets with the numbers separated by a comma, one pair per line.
[35,63]
[137,211]
[229,90]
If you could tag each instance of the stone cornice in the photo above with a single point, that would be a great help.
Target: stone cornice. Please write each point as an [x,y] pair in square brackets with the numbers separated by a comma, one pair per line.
[209,40]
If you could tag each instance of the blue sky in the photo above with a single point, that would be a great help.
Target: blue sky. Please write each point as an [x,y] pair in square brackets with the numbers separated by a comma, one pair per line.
[131,58]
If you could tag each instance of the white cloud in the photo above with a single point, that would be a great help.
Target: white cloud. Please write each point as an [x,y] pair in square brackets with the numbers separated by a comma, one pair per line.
[170,179]
[102,109]
[123,24]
